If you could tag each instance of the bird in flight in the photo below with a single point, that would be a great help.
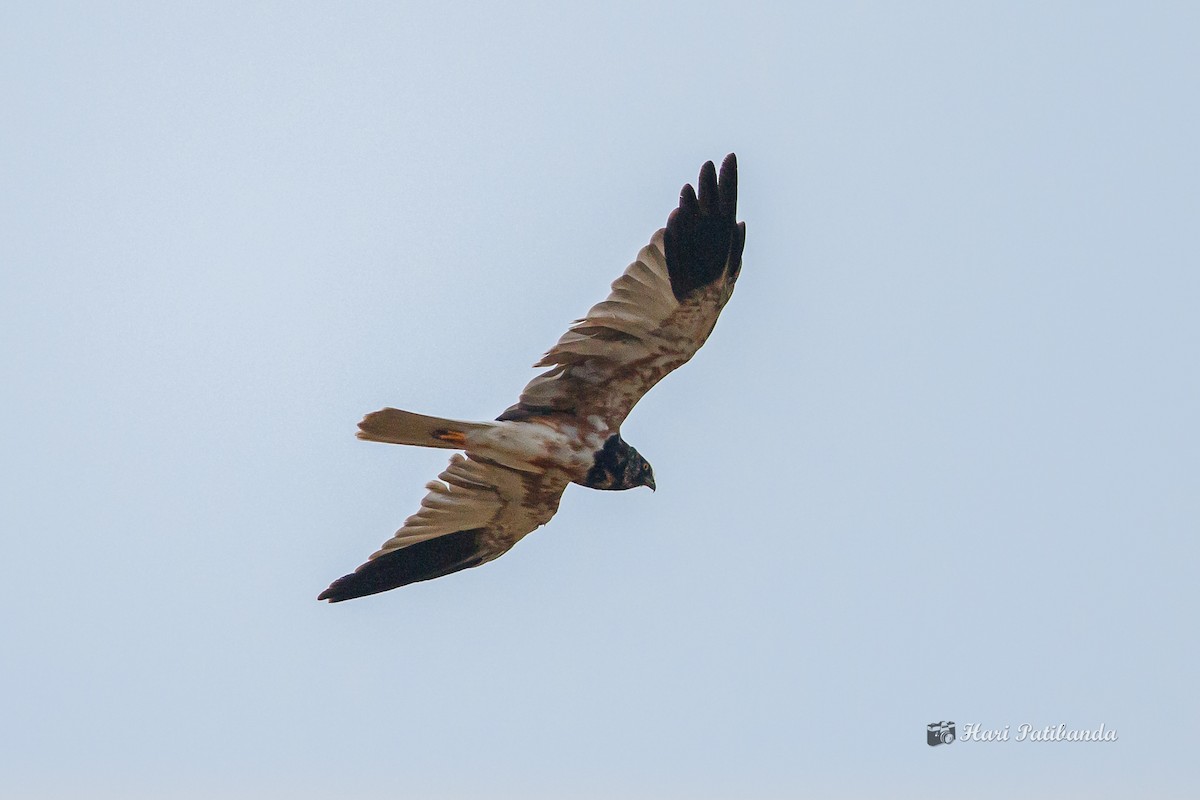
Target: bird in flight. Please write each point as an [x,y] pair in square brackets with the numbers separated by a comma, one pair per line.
[566,426]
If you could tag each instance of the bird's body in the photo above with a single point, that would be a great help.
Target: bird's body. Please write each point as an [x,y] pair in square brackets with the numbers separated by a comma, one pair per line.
[566,426]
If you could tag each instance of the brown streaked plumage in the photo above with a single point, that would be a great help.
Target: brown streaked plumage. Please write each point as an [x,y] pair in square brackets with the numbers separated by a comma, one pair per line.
[565,428]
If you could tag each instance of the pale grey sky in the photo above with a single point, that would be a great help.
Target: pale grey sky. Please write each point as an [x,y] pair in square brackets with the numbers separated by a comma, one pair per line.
[937,461]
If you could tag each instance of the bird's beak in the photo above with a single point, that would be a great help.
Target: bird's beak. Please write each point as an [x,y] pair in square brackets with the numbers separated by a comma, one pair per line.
[650,482]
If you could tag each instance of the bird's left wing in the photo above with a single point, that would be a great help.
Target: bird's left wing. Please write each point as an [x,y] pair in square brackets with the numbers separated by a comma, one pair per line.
[476,512]
[659,313]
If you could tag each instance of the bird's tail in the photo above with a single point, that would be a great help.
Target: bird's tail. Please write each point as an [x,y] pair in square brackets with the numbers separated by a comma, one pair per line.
[394,426]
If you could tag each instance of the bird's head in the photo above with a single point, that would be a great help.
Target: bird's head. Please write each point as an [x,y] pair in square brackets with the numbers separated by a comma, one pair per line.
[638,471]
[618,466]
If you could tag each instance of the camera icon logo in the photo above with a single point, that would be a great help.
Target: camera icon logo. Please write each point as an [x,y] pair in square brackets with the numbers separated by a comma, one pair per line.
[939,733]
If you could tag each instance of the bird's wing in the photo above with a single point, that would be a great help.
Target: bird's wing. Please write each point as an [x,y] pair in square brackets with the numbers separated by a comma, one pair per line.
[659,313]
[476,512]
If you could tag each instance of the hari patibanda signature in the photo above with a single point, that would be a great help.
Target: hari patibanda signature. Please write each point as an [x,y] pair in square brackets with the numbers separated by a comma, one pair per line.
[975,732]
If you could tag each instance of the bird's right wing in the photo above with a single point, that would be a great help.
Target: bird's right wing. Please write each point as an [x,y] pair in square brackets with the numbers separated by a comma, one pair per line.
[475,513]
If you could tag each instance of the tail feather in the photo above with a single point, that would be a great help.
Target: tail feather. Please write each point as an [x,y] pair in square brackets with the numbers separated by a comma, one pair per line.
[393,426]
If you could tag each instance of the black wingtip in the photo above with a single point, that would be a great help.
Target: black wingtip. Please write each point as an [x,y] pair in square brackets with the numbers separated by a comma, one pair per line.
[728,186]
[422,561]
[687,199]
[708,188]
[702,237]
[735,250]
